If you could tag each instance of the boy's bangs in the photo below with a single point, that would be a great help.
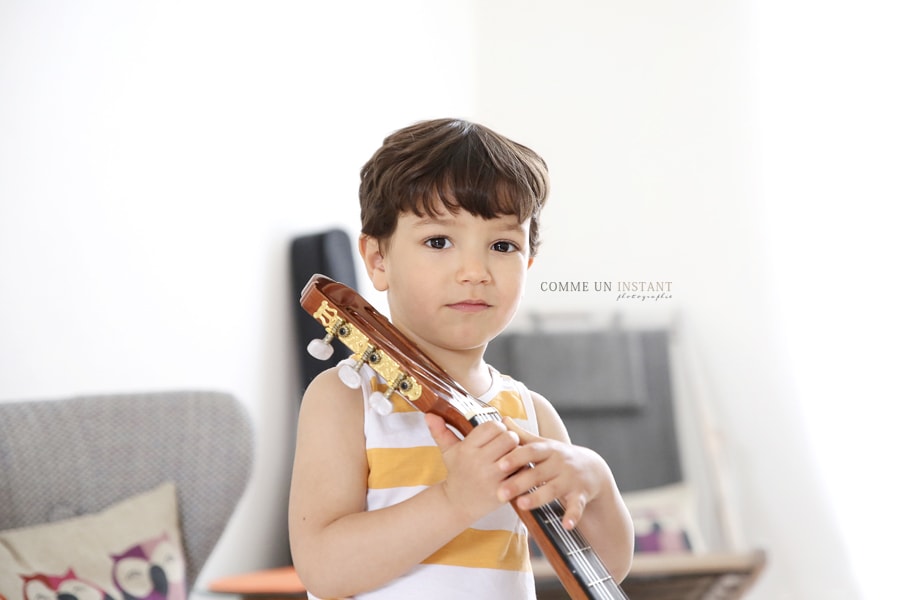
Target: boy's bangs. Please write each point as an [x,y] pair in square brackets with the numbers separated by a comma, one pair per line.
[486,199]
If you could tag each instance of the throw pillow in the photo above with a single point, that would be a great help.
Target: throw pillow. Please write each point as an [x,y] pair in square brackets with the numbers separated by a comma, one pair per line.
[131,550]
[665,519]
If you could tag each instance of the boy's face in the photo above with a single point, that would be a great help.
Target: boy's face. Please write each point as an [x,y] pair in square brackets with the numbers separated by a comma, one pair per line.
[453,281]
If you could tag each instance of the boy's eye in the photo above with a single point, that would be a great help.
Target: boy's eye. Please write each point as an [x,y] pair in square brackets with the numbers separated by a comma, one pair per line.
[505,247]
[438,243]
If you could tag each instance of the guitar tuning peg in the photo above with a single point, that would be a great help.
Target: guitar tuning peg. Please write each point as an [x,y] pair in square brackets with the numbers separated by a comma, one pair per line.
[349,374]
[321,349]
[380,403]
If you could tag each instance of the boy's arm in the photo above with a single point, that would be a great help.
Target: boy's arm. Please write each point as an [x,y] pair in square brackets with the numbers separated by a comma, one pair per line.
[338,548]
[580,478]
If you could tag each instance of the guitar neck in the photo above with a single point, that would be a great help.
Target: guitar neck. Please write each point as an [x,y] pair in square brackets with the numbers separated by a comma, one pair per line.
[576,564]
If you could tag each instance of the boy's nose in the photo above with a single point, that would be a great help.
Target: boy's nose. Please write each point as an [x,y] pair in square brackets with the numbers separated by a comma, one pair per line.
[473,269]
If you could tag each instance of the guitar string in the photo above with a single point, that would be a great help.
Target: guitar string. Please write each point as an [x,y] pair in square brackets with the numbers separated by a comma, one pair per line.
[577,547]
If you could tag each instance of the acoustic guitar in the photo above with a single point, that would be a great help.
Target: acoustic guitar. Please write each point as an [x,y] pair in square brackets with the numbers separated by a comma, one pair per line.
[409,372]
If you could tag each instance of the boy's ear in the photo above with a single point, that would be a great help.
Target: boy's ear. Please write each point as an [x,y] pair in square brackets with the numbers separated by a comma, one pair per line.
[370,251]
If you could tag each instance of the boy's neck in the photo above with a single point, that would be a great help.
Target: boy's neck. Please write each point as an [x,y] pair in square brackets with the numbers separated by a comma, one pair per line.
[467,368]
[474,377]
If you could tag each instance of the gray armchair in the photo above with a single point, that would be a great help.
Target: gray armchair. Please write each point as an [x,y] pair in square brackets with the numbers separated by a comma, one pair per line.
[75,456]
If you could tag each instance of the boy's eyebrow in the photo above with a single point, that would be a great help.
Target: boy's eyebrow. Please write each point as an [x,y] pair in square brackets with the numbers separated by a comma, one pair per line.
[448,221]
[421,221]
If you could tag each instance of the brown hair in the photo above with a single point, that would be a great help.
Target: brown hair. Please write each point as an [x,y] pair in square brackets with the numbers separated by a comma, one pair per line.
[462,164]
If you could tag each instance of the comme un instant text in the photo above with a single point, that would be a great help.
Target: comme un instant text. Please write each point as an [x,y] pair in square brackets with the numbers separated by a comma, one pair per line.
[642,287]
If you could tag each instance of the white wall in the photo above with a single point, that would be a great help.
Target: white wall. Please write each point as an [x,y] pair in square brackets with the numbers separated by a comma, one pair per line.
[647,114]
[156,159]
[828,127]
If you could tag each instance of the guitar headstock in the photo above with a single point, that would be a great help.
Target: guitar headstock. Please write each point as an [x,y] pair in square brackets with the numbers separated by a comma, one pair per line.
[374,341]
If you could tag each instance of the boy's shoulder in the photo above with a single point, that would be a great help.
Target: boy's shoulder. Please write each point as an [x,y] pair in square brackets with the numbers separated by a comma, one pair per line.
[328,389]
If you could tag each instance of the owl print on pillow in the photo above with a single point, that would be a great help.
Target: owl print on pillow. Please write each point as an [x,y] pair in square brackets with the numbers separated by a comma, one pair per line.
[150,570]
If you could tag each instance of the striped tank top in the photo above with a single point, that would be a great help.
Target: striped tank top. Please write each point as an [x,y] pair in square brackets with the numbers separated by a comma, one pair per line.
[489,560]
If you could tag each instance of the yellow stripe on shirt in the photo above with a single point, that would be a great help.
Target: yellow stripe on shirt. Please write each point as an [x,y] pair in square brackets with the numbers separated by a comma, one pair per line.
[404,467]
[498,549]
[509,404]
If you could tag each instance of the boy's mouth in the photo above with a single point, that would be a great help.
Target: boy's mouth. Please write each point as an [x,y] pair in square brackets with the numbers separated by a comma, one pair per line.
[469,305]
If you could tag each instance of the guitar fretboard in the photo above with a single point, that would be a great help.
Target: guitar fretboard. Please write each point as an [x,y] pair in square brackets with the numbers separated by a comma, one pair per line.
[578,555]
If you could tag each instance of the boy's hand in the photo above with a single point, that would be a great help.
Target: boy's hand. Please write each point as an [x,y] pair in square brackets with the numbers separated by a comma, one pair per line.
[560,470]
[473,465]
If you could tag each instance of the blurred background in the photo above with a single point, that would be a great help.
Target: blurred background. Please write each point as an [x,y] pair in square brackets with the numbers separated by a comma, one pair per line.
[156,159]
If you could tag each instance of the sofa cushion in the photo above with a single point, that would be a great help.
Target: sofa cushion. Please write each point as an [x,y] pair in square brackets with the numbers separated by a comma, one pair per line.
[665,519]
[131,549]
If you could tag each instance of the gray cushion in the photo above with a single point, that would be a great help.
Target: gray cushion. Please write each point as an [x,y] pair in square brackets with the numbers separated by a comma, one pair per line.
[66,457]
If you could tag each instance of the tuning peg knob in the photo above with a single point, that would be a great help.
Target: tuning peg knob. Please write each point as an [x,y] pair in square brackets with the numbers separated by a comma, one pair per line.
[349,374]
[380,403]
[321,349]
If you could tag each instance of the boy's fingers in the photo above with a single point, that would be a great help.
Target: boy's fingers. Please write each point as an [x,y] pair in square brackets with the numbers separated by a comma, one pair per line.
[442,436]
[525,436]
[574,509]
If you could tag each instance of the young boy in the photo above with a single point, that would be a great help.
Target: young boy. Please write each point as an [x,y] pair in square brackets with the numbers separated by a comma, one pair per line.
[397,506]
